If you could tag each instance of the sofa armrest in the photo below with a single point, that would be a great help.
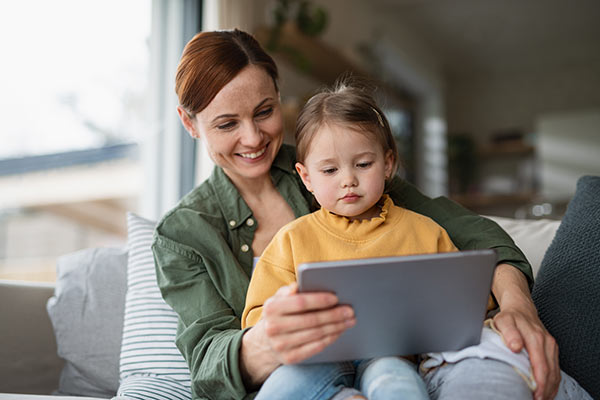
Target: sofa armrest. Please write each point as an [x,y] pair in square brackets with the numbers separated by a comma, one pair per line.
[28,359]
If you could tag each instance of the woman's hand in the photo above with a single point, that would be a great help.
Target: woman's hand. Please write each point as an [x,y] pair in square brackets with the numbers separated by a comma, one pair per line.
[520,326]
[294,326]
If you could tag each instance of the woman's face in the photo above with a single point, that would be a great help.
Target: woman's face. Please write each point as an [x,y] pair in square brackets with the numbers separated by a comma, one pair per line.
[242,126]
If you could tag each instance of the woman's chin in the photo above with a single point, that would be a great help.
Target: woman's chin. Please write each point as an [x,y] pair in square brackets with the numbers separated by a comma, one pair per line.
[253,169]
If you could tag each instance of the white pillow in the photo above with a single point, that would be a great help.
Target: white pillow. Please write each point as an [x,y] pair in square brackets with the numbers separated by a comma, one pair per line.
[532,236]
[151,366]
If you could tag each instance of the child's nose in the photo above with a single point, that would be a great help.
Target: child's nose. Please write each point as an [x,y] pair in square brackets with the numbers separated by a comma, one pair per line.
[349,180]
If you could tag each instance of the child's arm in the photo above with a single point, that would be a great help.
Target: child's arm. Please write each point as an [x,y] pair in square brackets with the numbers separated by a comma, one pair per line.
[274,269]
[267,278]
[445,244]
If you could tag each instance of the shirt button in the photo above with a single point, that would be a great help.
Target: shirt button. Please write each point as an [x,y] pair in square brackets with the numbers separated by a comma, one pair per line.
[245,248]
[249,222]
[232,223]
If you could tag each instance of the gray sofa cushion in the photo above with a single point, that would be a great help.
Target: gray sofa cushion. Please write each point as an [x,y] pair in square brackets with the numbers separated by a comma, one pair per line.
[567,289]
[87,315]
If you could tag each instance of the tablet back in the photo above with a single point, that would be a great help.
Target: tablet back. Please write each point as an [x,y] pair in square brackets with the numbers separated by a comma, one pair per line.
[405,305]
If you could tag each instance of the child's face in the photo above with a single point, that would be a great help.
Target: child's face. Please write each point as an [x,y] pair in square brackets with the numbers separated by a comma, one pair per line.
[346,171]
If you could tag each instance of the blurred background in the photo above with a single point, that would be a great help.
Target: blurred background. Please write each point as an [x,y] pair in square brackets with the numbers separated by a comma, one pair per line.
[493,103]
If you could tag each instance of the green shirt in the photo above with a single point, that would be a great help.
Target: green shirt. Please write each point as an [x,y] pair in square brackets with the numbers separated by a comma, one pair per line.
[203,254]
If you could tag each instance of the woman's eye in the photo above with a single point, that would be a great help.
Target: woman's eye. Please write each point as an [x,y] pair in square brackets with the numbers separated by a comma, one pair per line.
[265,112]
[226,126]
[364,164]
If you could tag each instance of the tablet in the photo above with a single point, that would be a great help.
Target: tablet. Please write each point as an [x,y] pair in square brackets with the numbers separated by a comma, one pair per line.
[405,305]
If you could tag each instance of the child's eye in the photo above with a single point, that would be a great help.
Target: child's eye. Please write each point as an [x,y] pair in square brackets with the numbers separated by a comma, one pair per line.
[264,112]
[364,164]
[329,171]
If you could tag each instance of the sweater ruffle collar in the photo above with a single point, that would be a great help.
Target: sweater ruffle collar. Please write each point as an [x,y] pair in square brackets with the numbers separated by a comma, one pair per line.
[357,229]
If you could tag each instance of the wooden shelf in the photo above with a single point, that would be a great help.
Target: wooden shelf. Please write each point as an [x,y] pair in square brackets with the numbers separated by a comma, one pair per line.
[506,149]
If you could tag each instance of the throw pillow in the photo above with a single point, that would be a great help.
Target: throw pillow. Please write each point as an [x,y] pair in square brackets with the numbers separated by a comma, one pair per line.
[151,366]
[87,316]
[567,290]
[532,236]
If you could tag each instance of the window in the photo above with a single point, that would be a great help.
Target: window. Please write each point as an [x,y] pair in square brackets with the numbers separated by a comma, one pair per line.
[73,98]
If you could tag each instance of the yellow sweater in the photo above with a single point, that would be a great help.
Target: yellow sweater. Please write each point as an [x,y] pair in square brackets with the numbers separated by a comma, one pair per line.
[323,236]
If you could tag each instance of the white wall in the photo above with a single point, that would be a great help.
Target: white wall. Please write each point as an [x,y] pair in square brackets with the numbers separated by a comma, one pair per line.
[481,105]
[568,148]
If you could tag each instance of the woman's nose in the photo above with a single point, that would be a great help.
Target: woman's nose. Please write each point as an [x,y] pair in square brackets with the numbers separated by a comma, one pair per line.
[251,135]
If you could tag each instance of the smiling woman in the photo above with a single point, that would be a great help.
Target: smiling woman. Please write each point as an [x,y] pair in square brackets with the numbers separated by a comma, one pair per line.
[242,126]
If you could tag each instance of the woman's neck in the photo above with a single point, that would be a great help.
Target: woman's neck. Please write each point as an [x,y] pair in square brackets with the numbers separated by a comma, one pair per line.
[253,188]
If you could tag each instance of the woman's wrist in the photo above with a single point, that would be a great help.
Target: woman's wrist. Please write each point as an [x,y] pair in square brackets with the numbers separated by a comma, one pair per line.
[255,365]
[511,290]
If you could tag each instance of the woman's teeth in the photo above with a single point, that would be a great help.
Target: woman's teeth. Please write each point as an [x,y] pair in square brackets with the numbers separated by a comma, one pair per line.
[254,155]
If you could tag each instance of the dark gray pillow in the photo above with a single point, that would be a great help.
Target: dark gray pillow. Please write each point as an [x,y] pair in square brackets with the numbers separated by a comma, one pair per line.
[567,290]
[87,315]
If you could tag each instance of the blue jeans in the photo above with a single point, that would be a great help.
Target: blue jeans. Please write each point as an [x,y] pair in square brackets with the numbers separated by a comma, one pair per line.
[474,378]
[382,378]
[389,378]
[310,381]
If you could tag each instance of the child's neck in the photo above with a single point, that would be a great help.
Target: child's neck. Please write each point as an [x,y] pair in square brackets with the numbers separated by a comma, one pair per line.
[373,212]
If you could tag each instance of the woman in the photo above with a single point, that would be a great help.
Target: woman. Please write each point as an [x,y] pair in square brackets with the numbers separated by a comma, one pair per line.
[204,247]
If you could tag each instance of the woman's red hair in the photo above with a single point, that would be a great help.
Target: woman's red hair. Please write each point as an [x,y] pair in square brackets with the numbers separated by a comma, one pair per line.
[211,60]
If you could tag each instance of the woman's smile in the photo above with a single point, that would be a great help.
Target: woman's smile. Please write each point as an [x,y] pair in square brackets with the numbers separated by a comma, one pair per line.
[254,156]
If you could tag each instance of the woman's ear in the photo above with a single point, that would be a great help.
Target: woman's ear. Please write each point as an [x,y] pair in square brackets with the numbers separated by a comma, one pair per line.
[303,172]
[187,122]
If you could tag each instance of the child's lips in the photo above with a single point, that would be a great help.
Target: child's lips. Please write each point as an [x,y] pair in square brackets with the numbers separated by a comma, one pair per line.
[350,197]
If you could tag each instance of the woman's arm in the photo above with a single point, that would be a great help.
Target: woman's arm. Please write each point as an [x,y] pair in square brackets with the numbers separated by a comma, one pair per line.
[208,294]
[517,320]
[521,327]
[209,335]
[468,231]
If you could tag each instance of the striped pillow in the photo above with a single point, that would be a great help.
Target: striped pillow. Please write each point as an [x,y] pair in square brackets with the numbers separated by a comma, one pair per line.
[151,366]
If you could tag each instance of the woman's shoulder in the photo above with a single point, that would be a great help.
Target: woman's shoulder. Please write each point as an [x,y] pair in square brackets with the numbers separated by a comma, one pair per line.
[414,218]
[199,204]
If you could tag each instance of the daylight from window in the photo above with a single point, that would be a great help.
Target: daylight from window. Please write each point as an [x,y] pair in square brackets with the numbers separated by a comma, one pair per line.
[73,101]
[73,75]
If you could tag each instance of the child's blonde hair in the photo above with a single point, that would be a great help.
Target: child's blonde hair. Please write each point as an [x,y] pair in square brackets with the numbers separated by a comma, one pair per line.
[349,103]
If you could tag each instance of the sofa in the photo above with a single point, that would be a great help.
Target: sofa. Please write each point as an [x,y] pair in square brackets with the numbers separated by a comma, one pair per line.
[76,337]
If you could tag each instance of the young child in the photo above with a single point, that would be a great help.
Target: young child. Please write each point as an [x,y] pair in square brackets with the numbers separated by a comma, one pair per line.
[345,153]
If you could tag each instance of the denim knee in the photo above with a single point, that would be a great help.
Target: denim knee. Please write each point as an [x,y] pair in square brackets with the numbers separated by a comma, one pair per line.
[310,381]
[475,378]
[390,378]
